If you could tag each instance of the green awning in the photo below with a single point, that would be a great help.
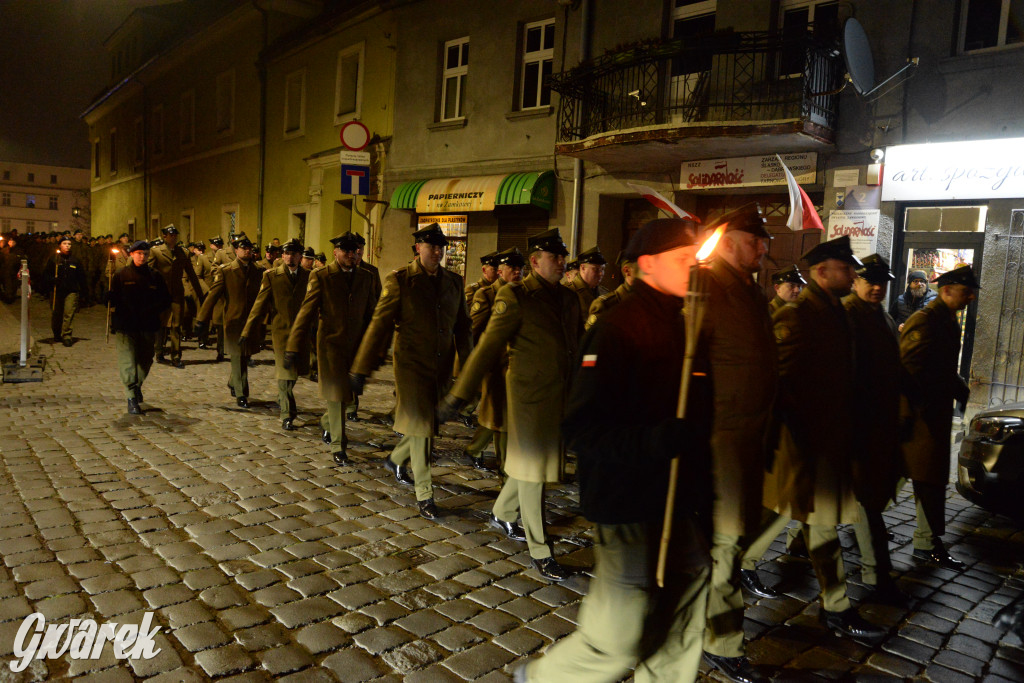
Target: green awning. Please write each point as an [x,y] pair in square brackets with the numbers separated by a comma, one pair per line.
[476,193]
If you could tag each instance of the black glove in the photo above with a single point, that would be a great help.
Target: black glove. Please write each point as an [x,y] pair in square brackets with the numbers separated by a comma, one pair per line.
[289,359]
[200,328]
[449,407]
[356,383]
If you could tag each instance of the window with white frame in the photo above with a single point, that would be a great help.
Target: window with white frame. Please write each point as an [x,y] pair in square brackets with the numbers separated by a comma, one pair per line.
[187,119]
[140,142]
[156,126]
[226,102]
[348,88]
[991,24]
[453,79]
[113,151]
[295,103]
[538,57]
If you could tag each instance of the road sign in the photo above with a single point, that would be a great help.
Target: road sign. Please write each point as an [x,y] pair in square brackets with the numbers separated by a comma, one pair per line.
[355,180]
[354,136]
[354,158]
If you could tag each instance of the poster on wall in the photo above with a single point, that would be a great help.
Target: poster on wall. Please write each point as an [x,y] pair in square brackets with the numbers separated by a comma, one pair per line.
[456,229]
[861,226]
[707,174]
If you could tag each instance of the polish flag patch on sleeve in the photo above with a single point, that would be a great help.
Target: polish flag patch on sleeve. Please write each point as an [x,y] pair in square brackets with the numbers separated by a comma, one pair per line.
[589,361]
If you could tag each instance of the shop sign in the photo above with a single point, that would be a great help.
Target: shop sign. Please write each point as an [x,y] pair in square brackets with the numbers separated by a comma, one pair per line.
[979,169]
[860,226]
[708,174]
[445,195]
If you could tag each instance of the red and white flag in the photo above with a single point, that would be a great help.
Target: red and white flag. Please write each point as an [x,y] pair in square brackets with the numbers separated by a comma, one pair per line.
[802,213]
[652,195]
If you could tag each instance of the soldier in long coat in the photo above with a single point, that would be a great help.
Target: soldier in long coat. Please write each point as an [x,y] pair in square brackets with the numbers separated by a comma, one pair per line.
[238,284]
[605,302]
[877,464]
[930,352]
[538,321]
[491,408]
[282,290]
[172,263]
[339,303]
[220,257]
[352,409]
[587,281]
[424,306]
[488,274]
[787,284]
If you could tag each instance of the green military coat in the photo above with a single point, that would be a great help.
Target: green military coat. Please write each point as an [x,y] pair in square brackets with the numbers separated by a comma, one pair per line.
[877,464]
[343,303]
[585,294]
[775,304]
[430,322]
[173,266]
[282,294]
[375,272]
[490,412]
[473,288]
[606,301]
[812,479]
[740,346]
[238,285]
[539,324]
[222,257]
[930,352]
[204,271]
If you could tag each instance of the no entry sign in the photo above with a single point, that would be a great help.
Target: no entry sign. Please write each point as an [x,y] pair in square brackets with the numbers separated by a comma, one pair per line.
[354,136]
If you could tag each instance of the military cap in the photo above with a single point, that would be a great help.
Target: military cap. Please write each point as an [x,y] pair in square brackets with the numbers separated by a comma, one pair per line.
[623,258]
[217,240]
[963,275]
[360,239]
[346,241]
[875,270]
[549,240]
[747,218]
[169,230]
[123,234]
[572,265]
[490,259]
[660,235]
[65,238]
[917,275]
[273,248]
[140,245]
[321,257]
[309,253]
[592,256]
[156,243]
[293,246]
[838,249]
[432,234]
[511,257]
[242,242]
[789,274]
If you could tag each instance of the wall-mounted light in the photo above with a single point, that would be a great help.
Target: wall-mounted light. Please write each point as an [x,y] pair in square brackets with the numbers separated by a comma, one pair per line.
[76,212]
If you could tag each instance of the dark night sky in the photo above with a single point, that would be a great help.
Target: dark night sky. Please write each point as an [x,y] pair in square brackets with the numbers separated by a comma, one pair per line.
[52,64]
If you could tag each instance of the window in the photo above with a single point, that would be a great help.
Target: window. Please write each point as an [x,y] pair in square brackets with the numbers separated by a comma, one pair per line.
[30,226]
[799,17]
[226,102]
[31,177]
[348,89]
[187,133]
[5,199]
[53,179]
[5,224]
[53,203]
[295,104]
[113,151]
[95,158]
[986,24]
[538,56]
[7,175]
[157,127]
[453,84]
[30,201]
[140,142]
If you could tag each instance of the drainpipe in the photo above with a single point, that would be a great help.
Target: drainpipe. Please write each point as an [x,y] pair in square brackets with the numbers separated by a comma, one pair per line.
[577,164]
[262,74]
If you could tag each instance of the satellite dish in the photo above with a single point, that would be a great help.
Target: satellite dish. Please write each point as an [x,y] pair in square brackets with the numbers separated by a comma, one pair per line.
[860,64]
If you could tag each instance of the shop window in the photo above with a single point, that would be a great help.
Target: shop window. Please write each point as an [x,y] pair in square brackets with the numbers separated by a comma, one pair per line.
[537,60]
[348,87]
[295,104]
[945,219]
[453,80]
[991,24]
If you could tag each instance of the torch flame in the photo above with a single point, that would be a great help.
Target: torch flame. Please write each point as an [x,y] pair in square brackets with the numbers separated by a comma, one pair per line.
[114,251]
[710,243]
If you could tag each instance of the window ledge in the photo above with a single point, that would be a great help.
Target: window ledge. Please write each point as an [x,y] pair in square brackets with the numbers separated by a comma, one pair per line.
[531,113]
[1007,57]
[452,124]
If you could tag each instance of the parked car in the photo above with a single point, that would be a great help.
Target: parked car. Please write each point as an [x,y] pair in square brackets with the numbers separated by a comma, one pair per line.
[990,469]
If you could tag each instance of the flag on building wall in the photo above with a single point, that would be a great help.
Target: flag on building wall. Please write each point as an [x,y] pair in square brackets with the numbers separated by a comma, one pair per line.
[802,213]
[651,195]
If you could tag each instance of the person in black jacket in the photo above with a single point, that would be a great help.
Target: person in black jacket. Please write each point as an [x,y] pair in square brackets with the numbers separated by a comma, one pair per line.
[624,449]
[917,296]
[67,274]
[138,296]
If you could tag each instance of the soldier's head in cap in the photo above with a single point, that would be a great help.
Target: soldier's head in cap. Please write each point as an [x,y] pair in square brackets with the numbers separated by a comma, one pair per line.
[626,264]
[216,242]
[430,246]
[124,239]
[489,266]
[64,244]
[958,287]
[745,240]
[510,264]
[243,247]
[345,246]
[917,283]
[831,265]
[273,252]
[276,242]
[665,249]
[291,253]
[139,251]
[592,263]
[547,254]
[170,235]
[321,259]
[361,248]
[788,283]
[873,277]
[571,269]
[308,256]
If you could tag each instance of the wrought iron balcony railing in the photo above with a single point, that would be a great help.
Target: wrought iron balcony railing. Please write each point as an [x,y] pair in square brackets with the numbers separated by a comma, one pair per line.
[725,77]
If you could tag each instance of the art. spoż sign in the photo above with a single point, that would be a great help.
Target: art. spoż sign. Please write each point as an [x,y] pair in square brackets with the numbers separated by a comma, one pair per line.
[980,169]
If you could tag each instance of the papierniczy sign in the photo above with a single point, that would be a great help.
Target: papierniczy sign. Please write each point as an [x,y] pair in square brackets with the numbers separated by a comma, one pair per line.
[709,174]
[979,169]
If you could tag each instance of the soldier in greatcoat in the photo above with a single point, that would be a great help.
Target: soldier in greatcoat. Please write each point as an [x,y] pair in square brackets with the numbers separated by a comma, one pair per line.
[238,283]
[282,290]
[172,262]
[605,302]
[424,306]
[930,353]
[538,323]
[787,284]
[587,281]
[488,274]
[340,300]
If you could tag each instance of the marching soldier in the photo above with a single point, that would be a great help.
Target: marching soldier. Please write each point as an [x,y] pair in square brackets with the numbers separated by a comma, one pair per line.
[172,263]
[788,284]
[273,253]
[366,265]
[68,277]
[238,283]
[930,352]
[572,268]
[537,323]
[488,273]
[587,282]
[282,290]
[341,296]
[627,266]
[138,297]
[491,415]
[424,305]
[218,256]
[307,258]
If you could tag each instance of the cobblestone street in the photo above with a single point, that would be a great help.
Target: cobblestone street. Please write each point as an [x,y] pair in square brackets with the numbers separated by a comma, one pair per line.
[262,560]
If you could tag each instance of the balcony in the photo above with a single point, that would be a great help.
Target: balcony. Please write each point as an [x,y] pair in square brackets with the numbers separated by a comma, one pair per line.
[654,105]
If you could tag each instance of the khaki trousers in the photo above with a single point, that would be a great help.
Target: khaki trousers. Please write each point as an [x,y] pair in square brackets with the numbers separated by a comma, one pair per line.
[724,635]
[239,379]
[624,619]
[333,422]
[286,398]
[930,500]
[416,449]
[170,331]
[134,359]
[873,541]
[525,499]
[63,315]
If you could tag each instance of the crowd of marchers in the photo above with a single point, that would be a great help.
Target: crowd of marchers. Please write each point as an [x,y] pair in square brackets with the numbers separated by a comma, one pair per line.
[685,501]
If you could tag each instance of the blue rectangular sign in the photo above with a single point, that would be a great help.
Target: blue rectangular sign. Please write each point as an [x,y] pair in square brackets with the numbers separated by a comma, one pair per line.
[355,180]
